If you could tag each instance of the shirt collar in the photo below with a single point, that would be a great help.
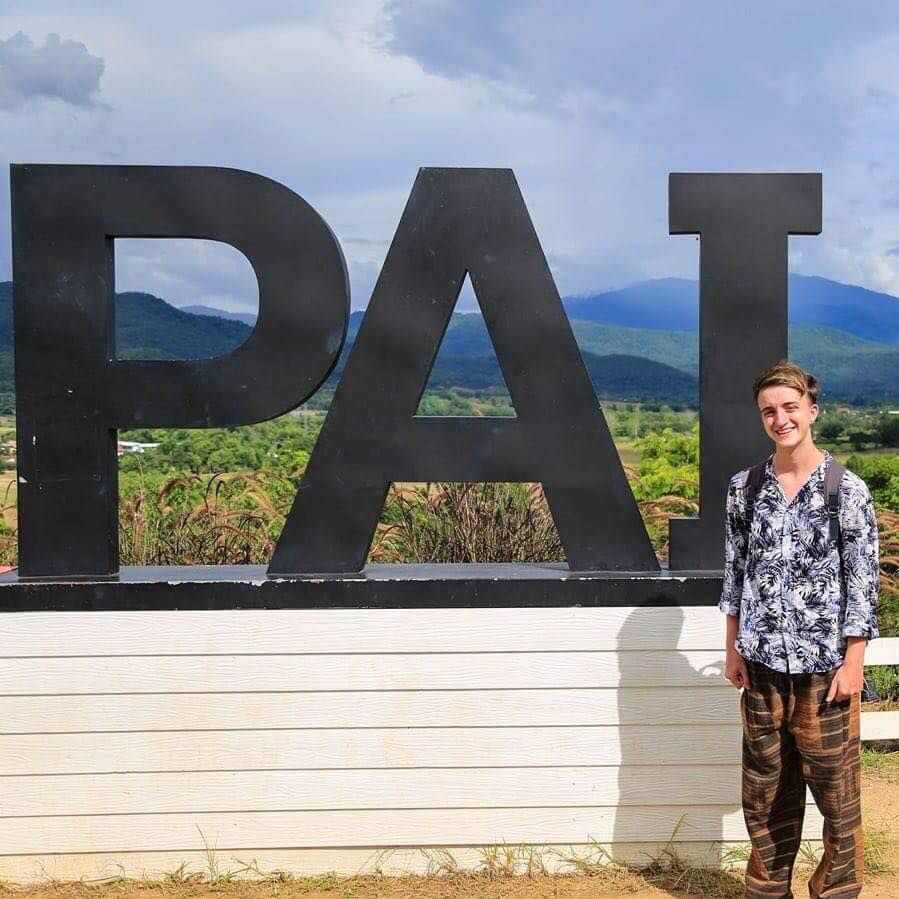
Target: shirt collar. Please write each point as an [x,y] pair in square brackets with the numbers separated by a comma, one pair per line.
[816,475]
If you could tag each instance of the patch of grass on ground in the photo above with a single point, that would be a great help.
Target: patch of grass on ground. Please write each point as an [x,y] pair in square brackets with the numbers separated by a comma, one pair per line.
[879,847]
[881,762]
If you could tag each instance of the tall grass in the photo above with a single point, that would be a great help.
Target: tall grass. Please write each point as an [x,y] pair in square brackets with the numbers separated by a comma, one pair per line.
[8,544]
[219,520]
[470,522]
[888,528]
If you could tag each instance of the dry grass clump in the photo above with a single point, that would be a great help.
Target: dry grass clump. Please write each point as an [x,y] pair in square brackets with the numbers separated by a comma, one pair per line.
[467,522]
[888,532]
[504,871]
[220,520]
[8,544]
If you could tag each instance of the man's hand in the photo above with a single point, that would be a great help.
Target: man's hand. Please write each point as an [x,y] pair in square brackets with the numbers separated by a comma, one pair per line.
[848,680]
[850,676]
[735,669]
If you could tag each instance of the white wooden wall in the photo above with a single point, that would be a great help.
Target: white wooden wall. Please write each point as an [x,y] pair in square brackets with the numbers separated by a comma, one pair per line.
[314,740]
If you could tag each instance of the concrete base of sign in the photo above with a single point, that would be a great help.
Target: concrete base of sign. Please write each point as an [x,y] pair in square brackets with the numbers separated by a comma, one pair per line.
[378,586]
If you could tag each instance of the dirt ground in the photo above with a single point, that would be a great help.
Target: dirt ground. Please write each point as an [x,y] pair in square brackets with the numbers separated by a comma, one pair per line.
[880,796]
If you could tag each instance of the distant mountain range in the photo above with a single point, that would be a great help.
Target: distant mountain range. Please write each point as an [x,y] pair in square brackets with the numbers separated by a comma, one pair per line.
[672,304]
[639,344]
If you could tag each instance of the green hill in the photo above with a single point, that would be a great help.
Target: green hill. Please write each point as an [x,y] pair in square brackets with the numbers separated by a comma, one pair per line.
[626,363]
[618,377]
[146,328]
[467,336]
[147,323]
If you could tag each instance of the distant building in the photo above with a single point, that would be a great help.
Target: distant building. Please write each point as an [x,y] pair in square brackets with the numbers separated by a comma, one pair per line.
[131,446]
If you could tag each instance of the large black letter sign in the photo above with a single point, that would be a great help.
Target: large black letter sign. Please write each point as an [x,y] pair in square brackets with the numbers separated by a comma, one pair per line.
[458,221]
[743,222]
[72,392]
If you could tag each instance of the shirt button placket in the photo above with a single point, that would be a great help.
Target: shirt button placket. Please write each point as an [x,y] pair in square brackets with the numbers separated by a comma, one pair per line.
[785,584]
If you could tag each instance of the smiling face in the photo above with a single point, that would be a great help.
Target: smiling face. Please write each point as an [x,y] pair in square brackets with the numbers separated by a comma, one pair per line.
[787,415]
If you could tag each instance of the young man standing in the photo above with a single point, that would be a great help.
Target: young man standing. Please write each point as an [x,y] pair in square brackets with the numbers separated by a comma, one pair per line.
[801,606]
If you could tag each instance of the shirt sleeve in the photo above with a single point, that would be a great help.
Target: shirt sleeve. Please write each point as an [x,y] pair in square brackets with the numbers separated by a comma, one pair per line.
[861,563]
[734,553]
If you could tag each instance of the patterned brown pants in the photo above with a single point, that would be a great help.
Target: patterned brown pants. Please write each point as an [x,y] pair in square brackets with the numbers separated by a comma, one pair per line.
[792,737]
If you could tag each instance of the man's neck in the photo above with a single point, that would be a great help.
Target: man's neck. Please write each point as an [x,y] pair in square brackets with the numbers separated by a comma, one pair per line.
[803,458]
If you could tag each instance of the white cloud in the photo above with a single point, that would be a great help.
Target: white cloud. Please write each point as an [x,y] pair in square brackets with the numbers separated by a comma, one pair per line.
[58,69]
[187,273]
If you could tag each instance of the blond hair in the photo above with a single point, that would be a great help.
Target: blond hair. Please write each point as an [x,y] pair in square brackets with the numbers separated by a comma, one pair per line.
[787,374]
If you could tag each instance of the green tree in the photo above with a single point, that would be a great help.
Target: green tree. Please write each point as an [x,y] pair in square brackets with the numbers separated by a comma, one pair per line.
[888,430]
[832,430]
[859,436]
[669,465]
[880,472]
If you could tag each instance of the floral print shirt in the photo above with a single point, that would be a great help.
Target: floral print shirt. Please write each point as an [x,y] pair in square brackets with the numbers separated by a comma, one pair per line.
[795,608]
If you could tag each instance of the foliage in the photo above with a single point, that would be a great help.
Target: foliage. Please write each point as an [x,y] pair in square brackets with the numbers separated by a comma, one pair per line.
[880,471]
[885,679]
[888,537]
[669,465]
[461,401]
[888,430]
[830,430]
[282,445]
[630,422]
[234,522]
[467,523]
[7,395]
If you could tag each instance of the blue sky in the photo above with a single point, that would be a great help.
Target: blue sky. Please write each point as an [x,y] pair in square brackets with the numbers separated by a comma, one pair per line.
[592,104]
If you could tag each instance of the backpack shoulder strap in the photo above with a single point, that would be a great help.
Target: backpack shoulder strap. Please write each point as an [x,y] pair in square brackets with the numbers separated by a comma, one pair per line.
[756,477]
[754,480]
[833,475]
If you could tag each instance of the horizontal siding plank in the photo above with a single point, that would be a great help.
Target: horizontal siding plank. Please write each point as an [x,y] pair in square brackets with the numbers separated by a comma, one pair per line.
[437,708]
[233,791]
[27,869]
[398,827]
[880,726]
[370,748]
[286,631]
[434,671]
[359,630]
[397,708]
[882,651]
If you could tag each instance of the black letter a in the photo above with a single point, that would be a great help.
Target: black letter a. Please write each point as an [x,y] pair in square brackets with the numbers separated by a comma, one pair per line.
[458,221]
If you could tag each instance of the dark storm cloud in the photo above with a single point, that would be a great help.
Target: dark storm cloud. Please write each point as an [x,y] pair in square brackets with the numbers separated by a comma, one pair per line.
[59,69]
[632,49]
[732,78]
